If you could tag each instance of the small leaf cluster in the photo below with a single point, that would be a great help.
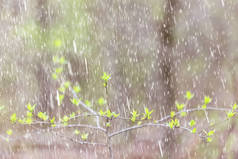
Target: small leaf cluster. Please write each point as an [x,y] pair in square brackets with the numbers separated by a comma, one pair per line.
[105,77]
[108,113]
[147,114]
[207,100]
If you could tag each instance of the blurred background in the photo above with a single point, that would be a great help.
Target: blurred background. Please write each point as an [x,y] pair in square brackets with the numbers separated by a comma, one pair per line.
[154,50]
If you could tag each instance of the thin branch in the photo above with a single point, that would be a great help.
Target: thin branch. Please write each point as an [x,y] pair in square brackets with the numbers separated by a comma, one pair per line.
[81,142]
[78,125]
[141,126]
[86,107]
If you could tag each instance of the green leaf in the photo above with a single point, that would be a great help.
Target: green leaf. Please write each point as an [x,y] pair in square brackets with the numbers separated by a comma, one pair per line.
[209,139]
[204,106]
[234,106]
[75,101]
[207,100]
[101,101]
[29,114]
[30,107]
[9,132]
[194,130]
[13,118]
[62,89]
[179,106]
[62,60]
[21,121]
[65,118]
[77,89]
[72,115]
[192,123]
[61,98]
[52,120]
[105,77]
[139,123]
[172,114]
[54,76]
[101,112]
[42,116]
[171,124]
[147,114]
[58,43]
[134,115]
[211,133]
[67,84]
[76,132]
[84,136]
[230,114]
[28,120]
[108,124]
[189,95]
[115,115]
[109,113]
[88,103]
[59,70]
[176,123]
[183,114]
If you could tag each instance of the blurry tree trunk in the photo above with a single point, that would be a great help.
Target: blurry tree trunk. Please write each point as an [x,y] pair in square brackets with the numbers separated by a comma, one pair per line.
[166,30]
[42,13]
[43,78]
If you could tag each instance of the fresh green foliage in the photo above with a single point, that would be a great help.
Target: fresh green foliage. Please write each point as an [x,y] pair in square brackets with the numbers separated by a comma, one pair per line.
[62,89]
[65,120]
[42,116]
[29,114]
[101,101]
[67,84]
[204,106]
[59,60]
[30,107]
[88,103]
[59,70]
[61,98]
[108,124]
[13,118]
[179,106]
[76,132]
[108,113]
[55,76]
[9,132]
[183,114]
[172,114]
[75,101]
[192,123]
[134,115]
[194,130]
[105,77]
[207,100]
[234,107]
[77,88]
[209,139]
[104,123]
[58,43]
[84,136]
[189,95]
[72,115]
[147,114]
[230,114]
[174,123]
[211,133]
